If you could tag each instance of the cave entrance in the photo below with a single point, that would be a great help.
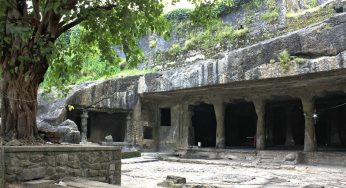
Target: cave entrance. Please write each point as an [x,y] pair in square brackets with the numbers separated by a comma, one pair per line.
[101,124]
[240,124]
[331,121]
[285,124]
[204,125]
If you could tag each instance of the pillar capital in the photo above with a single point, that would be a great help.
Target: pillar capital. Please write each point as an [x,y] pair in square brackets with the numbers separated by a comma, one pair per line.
[84,114]
[259,104]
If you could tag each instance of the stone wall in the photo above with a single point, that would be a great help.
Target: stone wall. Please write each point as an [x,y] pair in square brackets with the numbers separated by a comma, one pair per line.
[2,166]
[25,163]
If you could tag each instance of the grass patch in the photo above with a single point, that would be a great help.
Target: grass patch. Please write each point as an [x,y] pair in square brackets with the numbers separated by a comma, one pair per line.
[130,154]
[175,49]
[270,16]
[298,20]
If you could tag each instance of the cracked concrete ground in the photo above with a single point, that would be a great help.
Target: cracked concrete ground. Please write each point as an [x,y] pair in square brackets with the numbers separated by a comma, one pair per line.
[147,172]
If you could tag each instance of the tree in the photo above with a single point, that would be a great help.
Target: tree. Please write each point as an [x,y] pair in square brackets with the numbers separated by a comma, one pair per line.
[29,45]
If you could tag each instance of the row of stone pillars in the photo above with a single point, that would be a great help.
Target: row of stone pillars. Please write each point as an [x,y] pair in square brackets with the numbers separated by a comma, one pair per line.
[310,143]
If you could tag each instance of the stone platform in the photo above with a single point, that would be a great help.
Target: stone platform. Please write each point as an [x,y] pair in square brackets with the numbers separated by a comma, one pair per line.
[337,158]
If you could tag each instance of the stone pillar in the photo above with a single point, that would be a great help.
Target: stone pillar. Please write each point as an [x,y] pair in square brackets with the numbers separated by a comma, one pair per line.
[137,125]
[289,138]
[219,108]
[84,126]
[310,143]
[128,134]
[190,128]
[261,131]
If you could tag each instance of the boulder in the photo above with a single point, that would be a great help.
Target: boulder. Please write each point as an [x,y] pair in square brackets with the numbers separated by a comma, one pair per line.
[67,131]
[109,138]
[291,157]
[176,179]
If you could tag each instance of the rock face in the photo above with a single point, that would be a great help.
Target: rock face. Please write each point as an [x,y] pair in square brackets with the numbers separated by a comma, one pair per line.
[323,47]
[51,116]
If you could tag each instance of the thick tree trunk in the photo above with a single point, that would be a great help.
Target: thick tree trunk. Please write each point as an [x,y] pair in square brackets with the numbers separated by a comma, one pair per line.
[20,104]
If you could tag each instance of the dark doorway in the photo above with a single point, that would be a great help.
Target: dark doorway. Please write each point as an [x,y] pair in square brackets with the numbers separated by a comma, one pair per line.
[285,124]
[101,124]
[165,114]
[240,124]
[75,116]
[204,123]
[331,121]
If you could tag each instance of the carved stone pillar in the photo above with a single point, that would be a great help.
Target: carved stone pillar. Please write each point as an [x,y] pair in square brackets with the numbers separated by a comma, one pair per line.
[310,143]
[219,108]
[84,126]
[129,133]
[261,131]
[190,128]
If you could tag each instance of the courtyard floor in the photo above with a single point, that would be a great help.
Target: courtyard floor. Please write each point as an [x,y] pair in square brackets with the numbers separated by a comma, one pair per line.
[147,171]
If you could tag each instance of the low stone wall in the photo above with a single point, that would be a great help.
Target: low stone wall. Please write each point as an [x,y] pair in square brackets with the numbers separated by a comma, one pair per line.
[101,163]
[2,166]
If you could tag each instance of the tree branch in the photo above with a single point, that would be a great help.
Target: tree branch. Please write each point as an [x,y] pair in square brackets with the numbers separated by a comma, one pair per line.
[81,17]
[69,25]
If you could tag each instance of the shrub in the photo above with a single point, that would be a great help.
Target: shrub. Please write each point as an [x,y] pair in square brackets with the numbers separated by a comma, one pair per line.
[240,33]
[175,49]
[178,15]
[152,43]
[130,154]
[284,58]
[313,3]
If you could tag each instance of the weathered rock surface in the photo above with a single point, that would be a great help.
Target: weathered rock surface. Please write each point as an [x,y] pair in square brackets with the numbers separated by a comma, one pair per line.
[67,131]
[321,50]
[51,115]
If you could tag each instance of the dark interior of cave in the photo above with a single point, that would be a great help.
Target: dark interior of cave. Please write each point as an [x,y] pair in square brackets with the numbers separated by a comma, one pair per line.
[240,124]
[101,124]
[204,123]
[285,123]
[331,121]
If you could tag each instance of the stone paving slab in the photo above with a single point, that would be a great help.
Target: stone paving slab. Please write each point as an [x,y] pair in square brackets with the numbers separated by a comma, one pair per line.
[226,174]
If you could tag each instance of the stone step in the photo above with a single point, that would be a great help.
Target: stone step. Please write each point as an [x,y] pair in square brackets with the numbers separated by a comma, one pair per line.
[69,183]
[40,184]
